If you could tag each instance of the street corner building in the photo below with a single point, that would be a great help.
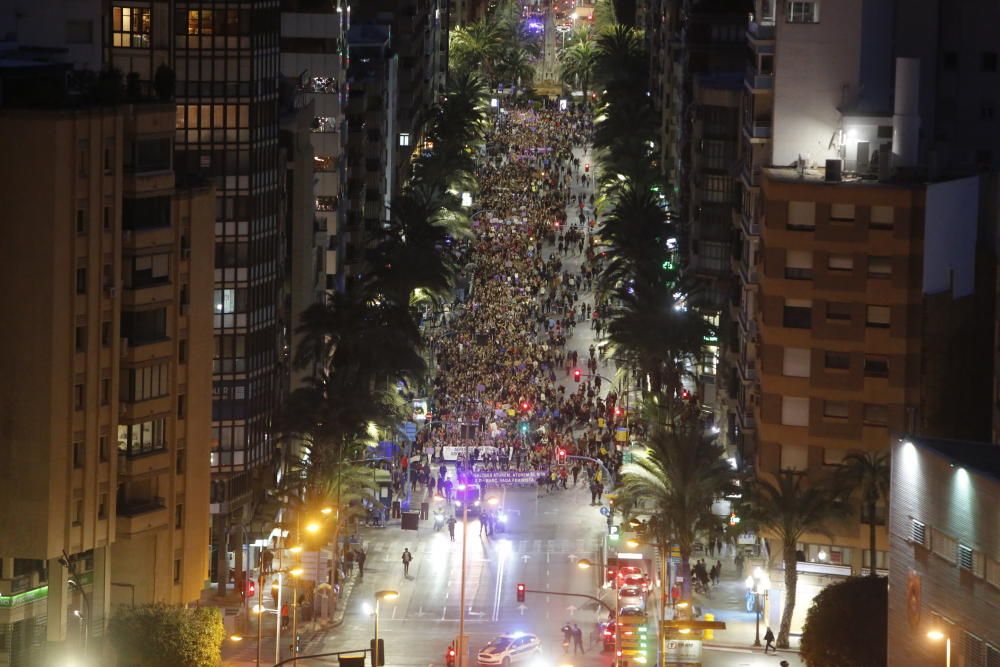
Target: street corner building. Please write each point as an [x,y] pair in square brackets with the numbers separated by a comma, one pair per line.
[944,534]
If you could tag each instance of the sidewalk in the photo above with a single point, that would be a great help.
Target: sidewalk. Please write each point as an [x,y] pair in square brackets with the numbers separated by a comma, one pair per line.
[727,602]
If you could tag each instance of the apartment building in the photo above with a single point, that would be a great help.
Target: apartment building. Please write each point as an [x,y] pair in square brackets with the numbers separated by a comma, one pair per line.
[105,359]
[944,584]
[371,143]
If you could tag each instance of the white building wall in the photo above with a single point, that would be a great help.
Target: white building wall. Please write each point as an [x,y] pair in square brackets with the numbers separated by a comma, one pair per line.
[816,73]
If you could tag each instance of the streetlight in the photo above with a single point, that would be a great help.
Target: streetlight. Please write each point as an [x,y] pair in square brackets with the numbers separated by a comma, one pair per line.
[938,635]
[379,596]
[492,501]
[758,583]
[296,572]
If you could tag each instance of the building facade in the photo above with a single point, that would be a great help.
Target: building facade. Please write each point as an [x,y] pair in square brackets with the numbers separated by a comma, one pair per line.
[106,371]
[944,584]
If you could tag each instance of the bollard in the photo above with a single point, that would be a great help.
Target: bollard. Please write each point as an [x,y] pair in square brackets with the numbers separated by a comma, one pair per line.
[708,635]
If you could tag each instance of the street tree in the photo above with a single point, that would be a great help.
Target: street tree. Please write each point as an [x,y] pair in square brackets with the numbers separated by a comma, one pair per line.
[163,635]
[838,633]
[789,507]
[866,474]
[680,474]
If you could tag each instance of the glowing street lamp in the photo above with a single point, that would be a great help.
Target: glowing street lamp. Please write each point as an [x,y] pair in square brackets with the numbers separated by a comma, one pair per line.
[938,635]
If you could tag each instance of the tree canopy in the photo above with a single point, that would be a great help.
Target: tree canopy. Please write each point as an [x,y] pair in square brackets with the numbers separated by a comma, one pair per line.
[163,635]
[846,626]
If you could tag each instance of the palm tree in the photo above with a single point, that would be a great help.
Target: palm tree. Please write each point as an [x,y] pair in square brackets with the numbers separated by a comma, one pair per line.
[789,507]
[514,66]
[867,473]
[680,474]
[578,64]
[476,46]
[624,63]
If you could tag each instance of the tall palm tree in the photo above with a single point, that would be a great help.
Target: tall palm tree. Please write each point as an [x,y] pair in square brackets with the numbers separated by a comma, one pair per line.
[788,508]
[578,64]
[624,63]
[515,67]
[680,474]
[476,46]
[867,474]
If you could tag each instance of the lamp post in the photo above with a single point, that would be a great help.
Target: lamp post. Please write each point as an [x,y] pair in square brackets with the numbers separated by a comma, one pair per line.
[585,564]
[758,583]
[493,501]
[377,657]
[938,635]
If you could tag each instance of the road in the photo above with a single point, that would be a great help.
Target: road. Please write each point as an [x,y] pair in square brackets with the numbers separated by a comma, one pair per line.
[547,535]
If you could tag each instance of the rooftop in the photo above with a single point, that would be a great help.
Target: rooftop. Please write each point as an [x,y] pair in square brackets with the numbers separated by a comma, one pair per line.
[981,457]
[817,176]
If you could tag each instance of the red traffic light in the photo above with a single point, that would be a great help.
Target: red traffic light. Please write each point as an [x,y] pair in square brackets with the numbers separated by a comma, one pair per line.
[521,590]
[251,588]
[577,374]
[451,653]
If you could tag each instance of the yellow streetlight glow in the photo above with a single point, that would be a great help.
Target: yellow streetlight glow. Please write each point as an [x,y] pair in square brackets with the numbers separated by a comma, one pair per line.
[296,572]
[584,564]
[683,605]
[235,638]
[257,609]
[936,635]
[632,544]
[297,549]
[386,595]
[493,501]
[313,527]
[326,511]
[685,631]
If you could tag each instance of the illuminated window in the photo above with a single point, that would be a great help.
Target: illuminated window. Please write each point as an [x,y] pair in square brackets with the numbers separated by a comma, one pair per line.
[130,27]
[148,436]
[404,138]
[803,12]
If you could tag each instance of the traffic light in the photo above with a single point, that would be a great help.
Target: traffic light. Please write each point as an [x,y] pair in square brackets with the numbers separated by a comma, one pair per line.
[520,592]
[378,652]
[577,374]
[450,656]
[251,588]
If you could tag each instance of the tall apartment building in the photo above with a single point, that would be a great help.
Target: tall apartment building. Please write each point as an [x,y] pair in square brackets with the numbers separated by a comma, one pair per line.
[226,64]
[105,359]
[861,267]
[314,57]
[371,146]
[227,71]
[417,30]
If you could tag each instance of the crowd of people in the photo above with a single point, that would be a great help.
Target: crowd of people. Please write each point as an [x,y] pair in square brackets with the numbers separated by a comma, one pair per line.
[508,392]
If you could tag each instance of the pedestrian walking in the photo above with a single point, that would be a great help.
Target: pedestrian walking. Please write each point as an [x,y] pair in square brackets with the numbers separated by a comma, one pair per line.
[362,556]
[407,557]
[577,639]
[769,641]
[451,527]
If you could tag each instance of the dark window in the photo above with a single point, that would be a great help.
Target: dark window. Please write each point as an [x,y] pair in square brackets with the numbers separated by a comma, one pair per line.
[146,326]
[835,410]
[179,516]
[142,384]
[179,465]
[148,155]
[878,317]
[181,406]
[177,570]
[149,271]
[107,218]
[80,339]
[79,397]
[840,312]
[148,213]
[79,454]
[102,448]
[182,351]
[876,415]
[989,61]
[840,361]
[81,220]
[797,317]
[876,367]
[105,334]
[105,391]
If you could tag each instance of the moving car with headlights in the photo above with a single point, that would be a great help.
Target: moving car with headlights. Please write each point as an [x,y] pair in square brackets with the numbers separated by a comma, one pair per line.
[506,649]
[636,579]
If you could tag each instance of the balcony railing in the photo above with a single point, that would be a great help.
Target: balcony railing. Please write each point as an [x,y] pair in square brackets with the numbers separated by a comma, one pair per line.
[758,81]
[137,507]
[758,129]
[760,30]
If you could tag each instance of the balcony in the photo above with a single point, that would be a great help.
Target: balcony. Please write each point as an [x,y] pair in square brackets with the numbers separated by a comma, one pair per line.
[748,370]
[749,225]
[748,324]
[760,31]
[748,273]
[757,129]
[138,465]
[758,81]
[747,421]
[137,516]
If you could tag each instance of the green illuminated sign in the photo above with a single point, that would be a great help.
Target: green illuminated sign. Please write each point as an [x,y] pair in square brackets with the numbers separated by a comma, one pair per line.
[9,601]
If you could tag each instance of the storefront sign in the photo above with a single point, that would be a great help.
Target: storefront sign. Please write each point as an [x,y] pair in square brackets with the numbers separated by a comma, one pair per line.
[681,652]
